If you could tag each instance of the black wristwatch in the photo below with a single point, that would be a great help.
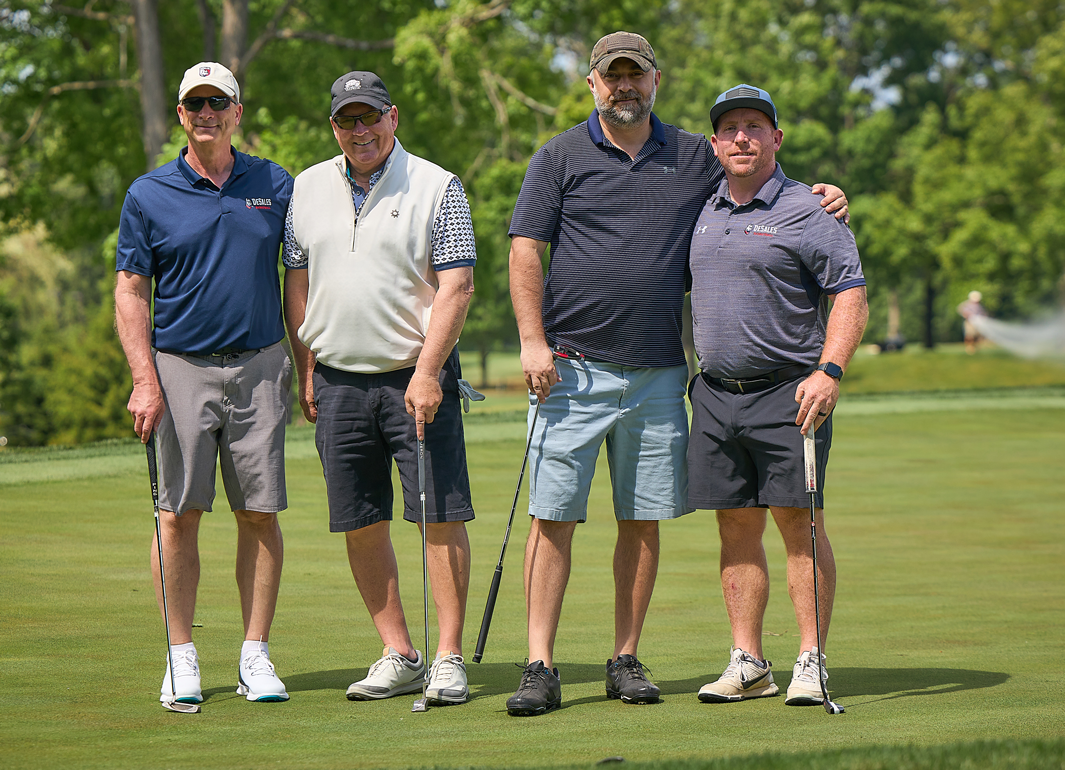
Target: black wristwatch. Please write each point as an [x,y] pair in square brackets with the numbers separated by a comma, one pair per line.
[832,370]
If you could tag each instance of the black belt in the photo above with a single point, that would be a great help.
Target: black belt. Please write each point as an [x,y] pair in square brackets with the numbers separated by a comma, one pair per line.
[762,382]
[225,354]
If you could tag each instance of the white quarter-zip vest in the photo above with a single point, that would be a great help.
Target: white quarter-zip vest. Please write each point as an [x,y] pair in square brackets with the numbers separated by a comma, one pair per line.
[371,284]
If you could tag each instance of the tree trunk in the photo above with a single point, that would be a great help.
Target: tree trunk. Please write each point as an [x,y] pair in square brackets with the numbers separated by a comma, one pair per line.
[207,21]
[152,85]
[234,35]
[484,368]
[929,313]
[893,314]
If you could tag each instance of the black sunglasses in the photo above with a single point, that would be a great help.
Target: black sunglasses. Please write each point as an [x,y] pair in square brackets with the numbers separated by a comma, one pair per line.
[195,103]
[347,122]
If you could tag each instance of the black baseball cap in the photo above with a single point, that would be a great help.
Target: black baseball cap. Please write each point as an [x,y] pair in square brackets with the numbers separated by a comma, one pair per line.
[359,86]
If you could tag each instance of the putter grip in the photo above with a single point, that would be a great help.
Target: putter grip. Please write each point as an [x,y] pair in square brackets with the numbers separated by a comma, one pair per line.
[809,462]
[489,608]
[149,448]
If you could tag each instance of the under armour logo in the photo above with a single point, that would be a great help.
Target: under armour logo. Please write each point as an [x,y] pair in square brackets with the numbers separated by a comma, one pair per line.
[700,230]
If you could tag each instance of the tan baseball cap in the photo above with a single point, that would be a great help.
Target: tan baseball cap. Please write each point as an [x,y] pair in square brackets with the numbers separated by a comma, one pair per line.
[209,73]
[622,45]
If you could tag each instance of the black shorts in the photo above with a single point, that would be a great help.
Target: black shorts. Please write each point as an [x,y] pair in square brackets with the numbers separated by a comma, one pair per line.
[363,425]
[745,450]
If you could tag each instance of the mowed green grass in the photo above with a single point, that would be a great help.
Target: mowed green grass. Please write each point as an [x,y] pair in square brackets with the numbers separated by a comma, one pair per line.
[947,648]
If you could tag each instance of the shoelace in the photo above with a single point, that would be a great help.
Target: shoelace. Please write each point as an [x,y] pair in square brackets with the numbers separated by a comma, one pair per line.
[809,667]
[258,664]
[635,669]
[529,677]
[185,664]
[444,668]
[394,659]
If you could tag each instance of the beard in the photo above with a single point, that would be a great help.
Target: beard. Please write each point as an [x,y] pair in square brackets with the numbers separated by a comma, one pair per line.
[625,117]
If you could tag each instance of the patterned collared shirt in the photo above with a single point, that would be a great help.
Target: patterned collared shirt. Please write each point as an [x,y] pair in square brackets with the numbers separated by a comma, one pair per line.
[453,243]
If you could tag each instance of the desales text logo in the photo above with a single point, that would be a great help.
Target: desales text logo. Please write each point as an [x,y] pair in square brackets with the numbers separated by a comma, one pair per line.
[765,230]
[258,203]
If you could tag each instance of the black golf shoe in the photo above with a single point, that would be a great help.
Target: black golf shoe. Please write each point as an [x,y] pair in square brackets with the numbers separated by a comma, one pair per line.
[625,679]
[540,691]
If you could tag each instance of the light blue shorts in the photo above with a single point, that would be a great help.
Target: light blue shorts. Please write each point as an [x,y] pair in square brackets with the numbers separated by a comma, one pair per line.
[640,413]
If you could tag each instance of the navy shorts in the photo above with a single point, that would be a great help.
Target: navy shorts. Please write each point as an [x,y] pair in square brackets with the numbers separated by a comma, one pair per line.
[363,425]
[745,450]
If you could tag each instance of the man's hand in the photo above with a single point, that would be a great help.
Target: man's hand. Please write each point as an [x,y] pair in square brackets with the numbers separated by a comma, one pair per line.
[147,406]
[306,394]
[816,396]
[423,398]
[834,201]
[538,364]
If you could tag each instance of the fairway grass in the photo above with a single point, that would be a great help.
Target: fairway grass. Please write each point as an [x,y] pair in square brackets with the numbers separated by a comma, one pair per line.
[947,644]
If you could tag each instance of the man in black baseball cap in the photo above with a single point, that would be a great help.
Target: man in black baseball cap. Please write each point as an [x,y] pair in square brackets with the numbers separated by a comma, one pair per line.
[379,255]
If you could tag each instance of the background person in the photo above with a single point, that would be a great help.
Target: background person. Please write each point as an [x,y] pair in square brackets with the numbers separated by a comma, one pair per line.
[209,374]
[379,252]
[615,197]
[765,266]
[969,310]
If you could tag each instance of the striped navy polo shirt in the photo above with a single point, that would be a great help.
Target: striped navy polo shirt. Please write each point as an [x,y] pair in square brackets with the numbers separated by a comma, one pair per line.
[619,230]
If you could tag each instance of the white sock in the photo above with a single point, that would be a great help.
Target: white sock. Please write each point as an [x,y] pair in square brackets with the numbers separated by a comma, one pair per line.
[253,646]
[186,647]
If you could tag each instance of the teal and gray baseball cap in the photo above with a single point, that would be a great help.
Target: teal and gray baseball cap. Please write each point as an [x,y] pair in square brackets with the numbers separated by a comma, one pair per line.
[740,96]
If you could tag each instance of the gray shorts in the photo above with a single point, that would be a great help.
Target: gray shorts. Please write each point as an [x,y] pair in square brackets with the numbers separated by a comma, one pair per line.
[231,408]
[746,451]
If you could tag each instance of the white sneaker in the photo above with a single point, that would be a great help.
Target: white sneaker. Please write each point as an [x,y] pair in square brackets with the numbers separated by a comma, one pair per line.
[804,689]
[745,677]
[391,675]
[186,679]
[257,680]
[447,680]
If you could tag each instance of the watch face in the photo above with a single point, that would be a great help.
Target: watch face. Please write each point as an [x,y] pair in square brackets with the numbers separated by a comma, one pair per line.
[832,370]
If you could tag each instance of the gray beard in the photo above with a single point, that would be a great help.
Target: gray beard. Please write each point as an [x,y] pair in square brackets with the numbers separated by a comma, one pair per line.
[625,118]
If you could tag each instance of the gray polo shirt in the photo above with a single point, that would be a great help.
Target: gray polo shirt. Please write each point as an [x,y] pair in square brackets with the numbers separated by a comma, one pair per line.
[761,277]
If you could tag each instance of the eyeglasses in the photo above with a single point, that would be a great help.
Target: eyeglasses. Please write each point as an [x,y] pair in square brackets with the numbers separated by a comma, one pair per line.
[195,103]
[347,122]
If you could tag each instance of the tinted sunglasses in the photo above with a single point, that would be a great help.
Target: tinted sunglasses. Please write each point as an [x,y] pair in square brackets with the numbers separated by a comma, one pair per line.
[347,122]
[195,103]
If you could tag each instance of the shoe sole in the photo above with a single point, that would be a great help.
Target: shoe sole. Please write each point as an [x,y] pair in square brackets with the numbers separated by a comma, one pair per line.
[804,700]
[440,699]
[713,697]
[638,700]
[403,689]
[527,711]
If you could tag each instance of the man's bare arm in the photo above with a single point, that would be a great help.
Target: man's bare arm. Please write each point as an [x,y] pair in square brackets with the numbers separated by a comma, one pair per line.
[296,287]
[452,301]
[133,321]
[527,295]
[817,394]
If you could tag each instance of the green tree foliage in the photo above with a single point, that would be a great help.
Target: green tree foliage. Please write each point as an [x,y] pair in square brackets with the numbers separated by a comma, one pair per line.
[940,118]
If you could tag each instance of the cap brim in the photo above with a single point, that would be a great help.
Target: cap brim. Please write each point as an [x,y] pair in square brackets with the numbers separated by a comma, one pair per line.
[377,104]
[740,103]
[642,61]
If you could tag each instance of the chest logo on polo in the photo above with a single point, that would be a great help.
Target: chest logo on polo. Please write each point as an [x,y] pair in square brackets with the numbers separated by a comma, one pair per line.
[395,213]
[258,203]
[765,230]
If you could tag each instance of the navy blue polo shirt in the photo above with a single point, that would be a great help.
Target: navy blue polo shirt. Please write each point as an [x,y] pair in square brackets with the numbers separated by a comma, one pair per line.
[762,273]
[213,253]
[619,230]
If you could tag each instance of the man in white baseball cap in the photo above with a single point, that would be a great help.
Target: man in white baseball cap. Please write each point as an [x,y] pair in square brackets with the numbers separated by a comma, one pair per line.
[209,73]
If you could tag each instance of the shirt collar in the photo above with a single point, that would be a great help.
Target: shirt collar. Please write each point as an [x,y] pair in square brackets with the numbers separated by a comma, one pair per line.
[595,129]
[375,176]
[240,165]
[766,194]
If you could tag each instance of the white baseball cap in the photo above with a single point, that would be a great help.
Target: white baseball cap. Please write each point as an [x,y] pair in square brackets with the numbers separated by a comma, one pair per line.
[209,73]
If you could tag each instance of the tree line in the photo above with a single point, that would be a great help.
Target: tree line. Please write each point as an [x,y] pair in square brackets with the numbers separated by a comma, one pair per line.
[939,118]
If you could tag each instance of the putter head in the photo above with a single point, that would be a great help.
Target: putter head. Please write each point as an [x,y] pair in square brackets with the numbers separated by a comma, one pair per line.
[181,708]
[833,708]
[422,704]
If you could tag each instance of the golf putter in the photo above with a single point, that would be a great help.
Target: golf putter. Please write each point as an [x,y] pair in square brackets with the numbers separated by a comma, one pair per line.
[810,466]
[493,592]
[422,704]
[173,704]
